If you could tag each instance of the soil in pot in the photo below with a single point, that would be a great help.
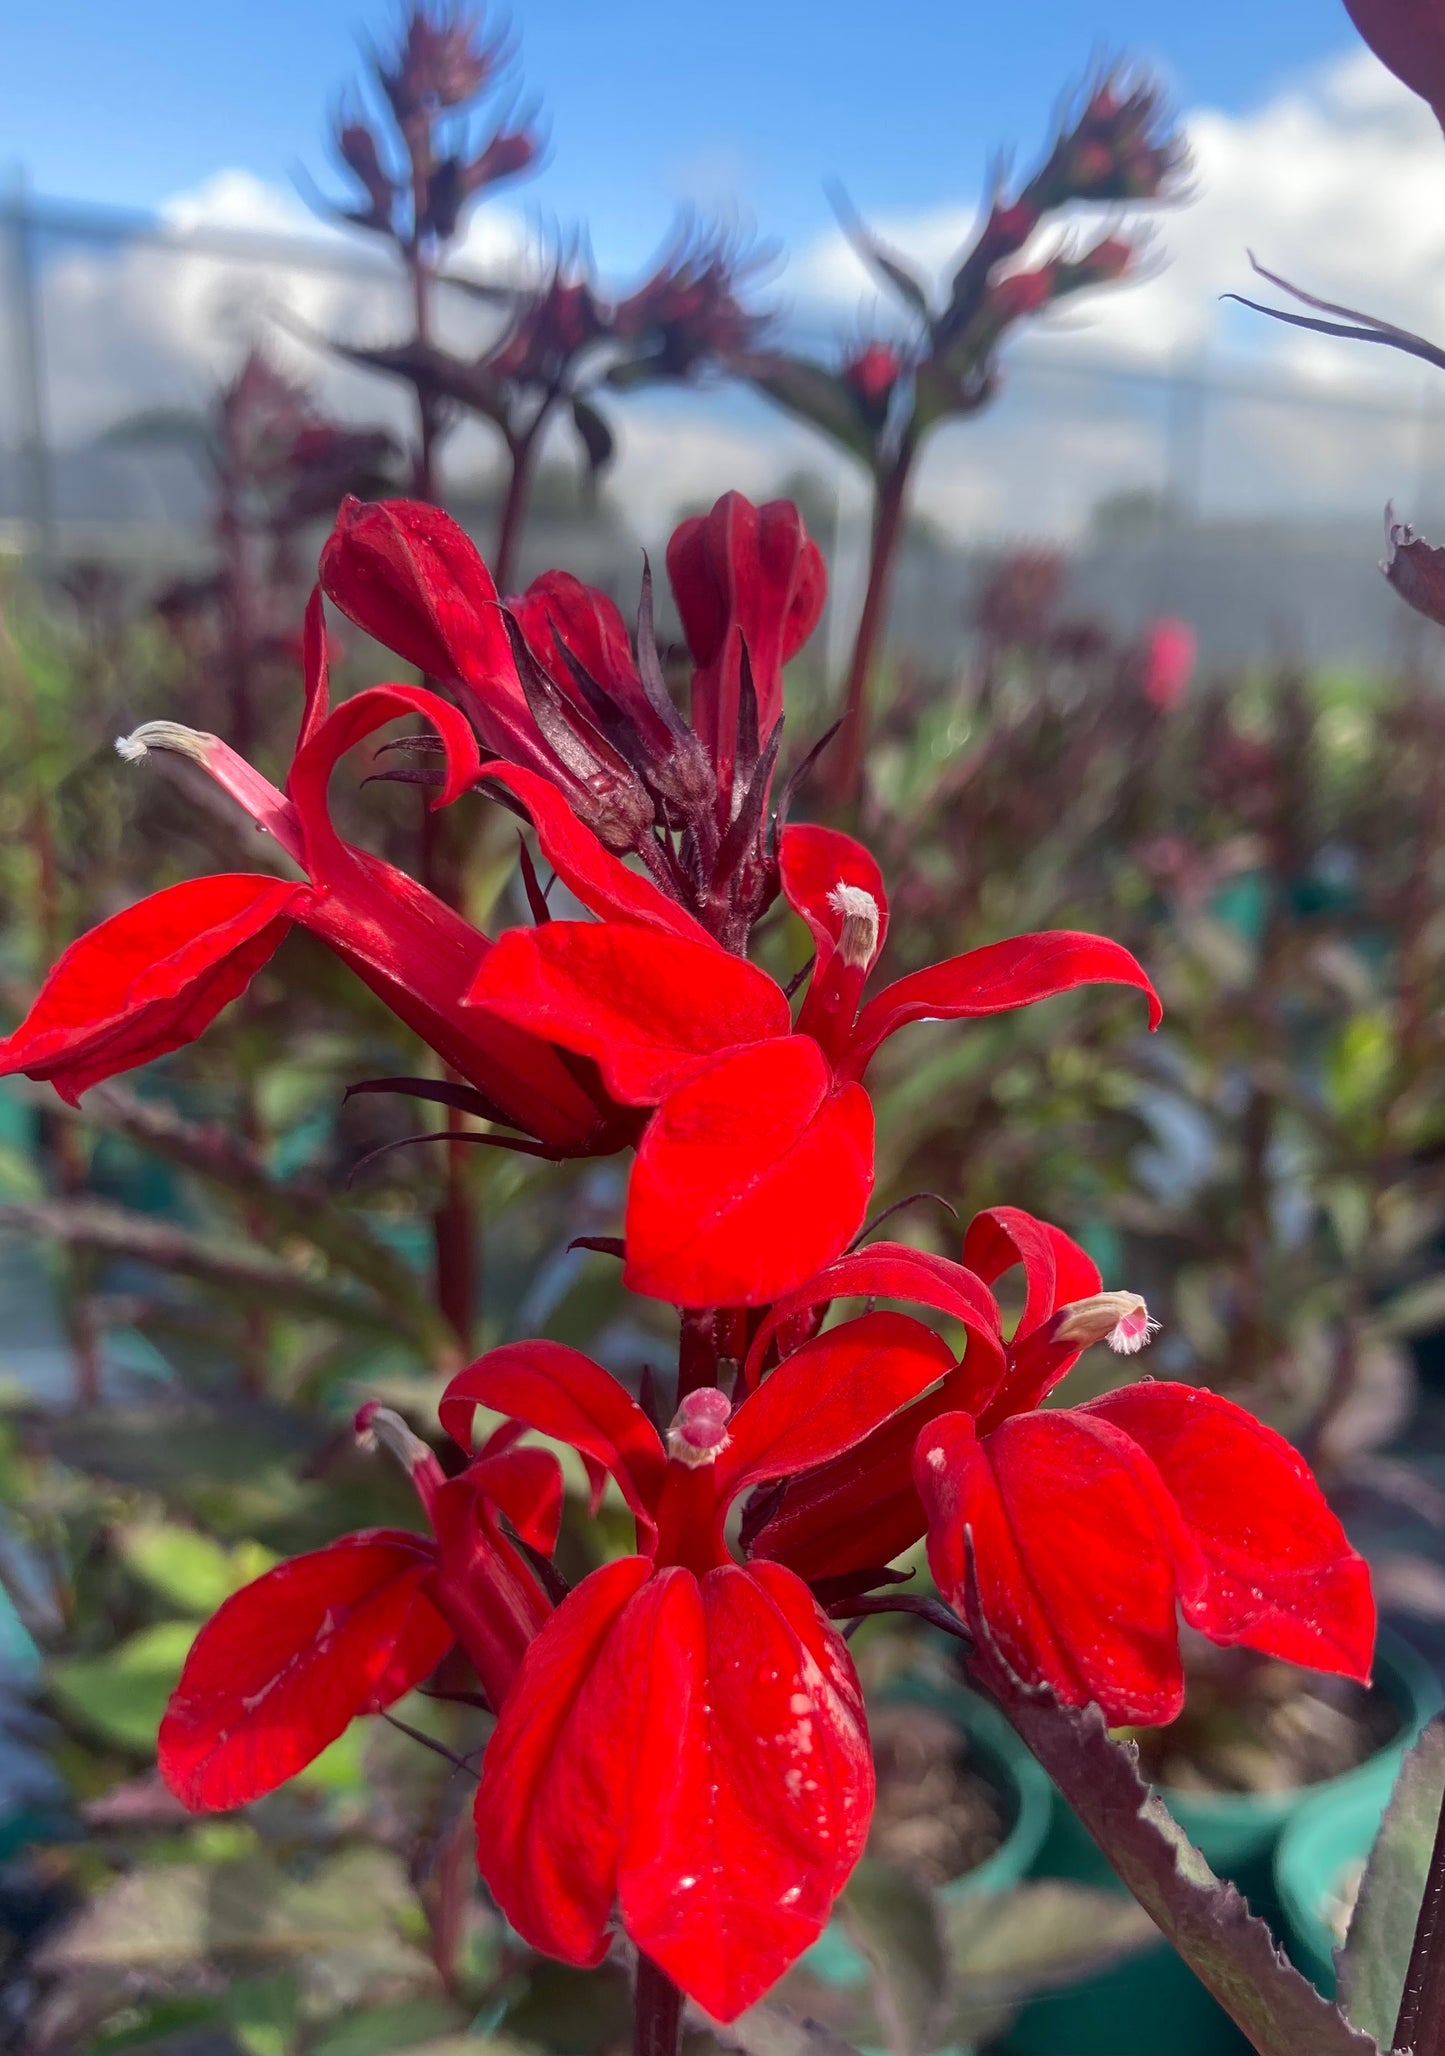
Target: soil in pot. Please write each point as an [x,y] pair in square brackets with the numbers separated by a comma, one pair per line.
[1254,1725]
[940,1812]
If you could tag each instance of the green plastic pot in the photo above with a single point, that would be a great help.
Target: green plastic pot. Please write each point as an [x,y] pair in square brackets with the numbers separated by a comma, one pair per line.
[1333,1830]
[1153,2005]
[833,1958]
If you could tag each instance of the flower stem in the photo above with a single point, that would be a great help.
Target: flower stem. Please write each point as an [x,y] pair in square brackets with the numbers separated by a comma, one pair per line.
[657,2016]
[1421,2023]
[887,533]
[523,453]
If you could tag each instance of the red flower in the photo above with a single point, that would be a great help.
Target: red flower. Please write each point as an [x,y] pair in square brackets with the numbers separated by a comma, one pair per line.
[286,1663]
[564,695]
[685,1742]
[758,1164]
[151,978]
[1073,1534]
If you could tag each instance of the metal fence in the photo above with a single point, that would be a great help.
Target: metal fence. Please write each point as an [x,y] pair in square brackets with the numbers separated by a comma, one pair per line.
[1245,500]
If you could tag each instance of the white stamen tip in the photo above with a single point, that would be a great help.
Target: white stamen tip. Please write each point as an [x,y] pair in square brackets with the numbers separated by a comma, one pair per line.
[165,735]
[858,943]
[1119,1318]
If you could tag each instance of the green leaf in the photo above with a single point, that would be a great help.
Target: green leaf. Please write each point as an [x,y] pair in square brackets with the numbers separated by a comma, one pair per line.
[262,2013]
[121,1696]
[895,1922]
[1373,1962]
[187,1569]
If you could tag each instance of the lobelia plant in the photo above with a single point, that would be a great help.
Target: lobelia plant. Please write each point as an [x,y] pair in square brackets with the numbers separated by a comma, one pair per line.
[885,398]
[681,1748]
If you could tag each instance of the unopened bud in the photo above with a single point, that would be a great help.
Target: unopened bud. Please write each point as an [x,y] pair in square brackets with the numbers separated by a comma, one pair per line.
[858,942]
[699,1430]
[1119,1318]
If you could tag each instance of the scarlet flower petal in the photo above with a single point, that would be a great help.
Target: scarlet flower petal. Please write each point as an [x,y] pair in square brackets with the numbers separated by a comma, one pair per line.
[586,867]
[525,1485]
[1078,1555]
[694,1751]
[647,1008]
[351,723]
[559,608]
[829,1396]
[150,979]
[892,1270]
[557,1776]
[748,1178]
[725,1884]
[562,1393]
[278,1672]
[1282,1575]
[993,980]
[813,862]
[1056,1271]
[315,668]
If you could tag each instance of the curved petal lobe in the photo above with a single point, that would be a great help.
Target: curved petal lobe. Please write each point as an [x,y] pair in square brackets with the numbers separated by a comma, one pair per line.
[283,1666]
[1077,1555]
[748,1178]
[1282,1575]
[150,979]
[647,1008]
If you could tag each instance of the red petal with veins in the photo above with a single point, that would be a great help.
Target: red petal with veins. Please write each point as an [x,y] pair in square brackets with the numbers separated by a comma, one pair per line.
[829,1396]
[994,980]
[647,1008]
[150,979]
[562,1393]
[1078,1553]
[283,1666]
[694,1751]
[586,867]
[748,1178]
[1282,1575]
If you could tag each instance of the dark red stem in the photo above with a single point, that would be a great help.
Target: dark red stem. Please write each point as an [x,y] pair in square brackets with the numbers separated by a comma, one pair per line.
[522,450]
[1421,2023]
[696,1350]
[657,2018]
[888,512]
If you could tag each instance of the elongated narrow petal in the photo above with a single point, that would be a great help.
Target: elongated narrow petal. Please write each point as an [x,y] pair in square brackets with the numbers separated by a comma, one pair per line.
[562,1393]
[486,1591]
[1078,1555]
[891,1270]
[316,670]
[647,1008]
[559,1770]
[585,866]
[150,979]
[994,980]
[748,1178]
[525,1485]
[828,1396]
[693,1752]
[1282,1575]
[352,722]
[1055,1269]
[285,1664]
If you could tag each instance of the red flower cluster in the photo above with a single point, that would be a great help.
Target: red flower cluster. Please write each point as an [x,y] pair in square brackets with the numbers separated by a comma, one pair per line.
[681,1744]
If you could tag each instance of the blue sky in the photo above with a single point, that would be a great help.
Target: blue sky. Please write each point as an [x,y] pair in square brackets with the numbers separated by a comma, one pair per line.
[648,104]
